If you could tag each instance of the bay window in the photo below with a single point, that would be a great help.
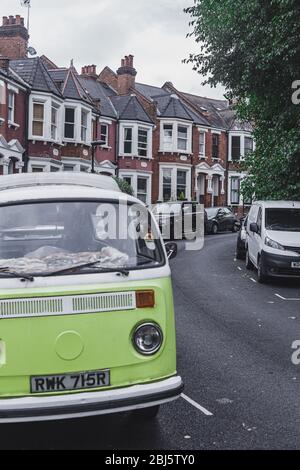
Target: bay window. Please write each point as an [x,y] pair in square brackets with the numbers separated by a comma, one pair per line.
[128,140]
[167,184]
[142,142]
[142,189]
[168,138]
[248,145]
[69,123]
[235,190]
[38,119]
[84,125]
[236,148]
[182,139]
[54,120]
[181,184]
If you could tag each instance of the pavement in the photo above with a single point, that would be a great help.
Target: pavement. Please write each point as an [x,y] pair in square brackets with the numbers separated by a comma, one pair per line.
[235,338]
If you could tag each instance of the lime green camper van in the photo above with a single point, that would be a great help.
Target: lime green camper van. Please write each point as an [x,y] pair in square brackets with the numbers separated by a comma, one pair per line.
[86,306]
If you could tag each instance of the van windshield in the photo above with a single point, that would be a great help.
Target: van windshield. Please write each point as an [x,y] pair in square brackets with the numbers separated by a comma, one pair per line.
[45,237]
[283,220]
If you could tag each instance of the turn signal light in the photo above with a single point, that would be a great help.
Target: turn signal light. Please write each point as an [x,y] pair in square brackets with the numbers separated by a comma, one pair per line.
[145,299]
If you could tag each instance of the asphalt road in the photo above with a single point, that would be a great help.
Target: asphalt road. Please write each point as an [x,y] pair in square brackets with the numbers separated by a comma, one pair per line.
[234,352]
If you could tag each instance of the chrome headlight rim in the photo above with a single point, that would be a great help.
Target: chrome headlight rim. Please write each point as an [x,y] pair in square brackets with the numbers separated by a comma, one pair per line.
[157,348]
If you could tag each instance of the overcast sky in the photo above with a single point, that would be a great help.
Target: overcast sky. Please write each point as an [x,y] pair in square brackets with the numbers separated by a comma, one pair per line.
[103,31]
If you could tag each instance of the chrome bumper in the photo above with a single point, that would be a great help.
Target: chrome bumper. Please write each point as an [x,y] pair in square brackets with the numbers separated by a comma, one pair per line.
[49,408]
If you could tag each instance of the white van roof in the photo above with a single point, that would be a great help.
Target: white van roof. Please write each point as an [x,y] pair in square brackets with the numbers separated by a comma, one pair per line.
[58,178]
[279,204]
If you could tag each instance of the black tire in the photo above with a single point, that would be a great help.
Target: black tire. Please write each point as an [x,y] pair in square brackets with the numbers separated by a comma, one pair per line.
[214,229]
[146,414]
[240,255]
[261,276]
[249,264]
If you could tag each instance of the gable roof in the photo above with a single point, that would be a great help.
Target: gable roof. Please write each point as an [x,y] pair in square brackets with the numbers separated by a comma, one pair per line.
[130,109]
[98,90]
[149,91]
[34,72]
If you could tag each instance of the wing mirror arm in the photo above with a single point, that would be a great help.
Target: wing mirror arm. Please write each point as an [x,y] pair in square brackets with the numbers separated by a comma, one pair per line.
[171,249]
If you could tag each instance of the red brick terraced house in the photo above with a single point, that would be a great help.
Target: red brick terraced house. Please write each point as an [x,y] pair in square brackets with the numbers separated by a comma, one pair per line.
[165,143]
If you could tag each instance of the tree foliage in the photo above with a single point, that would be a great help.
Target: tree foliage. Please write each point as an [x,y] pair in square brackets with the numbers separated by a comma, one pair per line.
[253,49]
[124,186]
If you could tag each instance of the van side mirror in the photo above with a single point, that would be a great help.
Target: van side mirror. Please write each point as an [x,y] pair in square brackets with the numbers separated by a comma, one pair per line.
[172,250]
[254,228]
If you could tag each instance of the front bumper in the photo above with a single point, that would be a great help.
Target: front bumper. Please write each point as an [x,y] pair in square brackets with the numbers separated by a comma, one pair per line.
[279,265]
[51,408]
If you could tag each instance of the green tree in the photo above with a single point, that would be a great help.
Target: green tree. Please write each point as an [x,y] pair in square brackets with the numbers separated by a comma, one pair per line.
[124,186]
[253,49]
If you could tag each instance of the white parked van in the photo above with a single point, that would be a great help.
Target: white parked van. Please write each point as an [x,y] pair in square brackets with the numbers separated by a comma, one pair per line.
[273,239]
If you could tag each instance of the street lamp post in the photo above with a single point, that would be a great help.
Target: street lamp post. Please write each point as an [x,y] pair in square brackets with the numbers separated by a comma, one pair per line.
[95,144]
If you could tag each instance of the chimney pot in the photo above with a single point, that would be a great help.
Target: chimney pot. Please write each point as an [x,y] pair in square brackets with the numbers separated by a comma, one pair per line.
[18,19]
[4,21]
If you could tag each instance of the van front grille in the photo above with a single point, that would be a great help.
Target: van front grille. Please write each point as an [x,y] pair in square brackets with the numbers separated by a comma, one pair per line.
[67,305]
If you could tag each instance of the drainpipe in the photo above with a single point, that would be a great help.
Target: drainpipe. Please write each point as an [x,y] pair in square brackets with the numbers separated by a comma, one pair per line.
[117,148]
[26,153]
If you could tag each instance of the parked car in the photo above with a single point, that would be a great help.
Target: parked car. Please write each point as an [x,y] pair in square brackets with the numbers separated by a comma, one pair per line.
[177,220]
[220,219]
[241,241]
[273,239]
[87,320]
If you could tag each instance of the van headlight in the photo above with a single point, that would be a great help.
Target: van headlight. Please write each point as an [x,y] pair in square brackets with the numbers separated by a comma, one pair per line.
[273,244]
[147,339]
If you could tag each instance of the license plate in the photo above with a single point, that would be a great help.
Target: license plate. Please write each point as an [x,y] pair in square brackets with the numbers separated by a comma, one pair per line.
[69,382]
[296,264]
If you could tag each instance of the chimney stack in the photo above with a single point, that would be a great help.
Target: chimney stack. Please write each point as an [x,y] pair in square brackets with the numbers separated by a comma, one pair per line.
[89,70]
[4,63]
[13,37]
[126,76]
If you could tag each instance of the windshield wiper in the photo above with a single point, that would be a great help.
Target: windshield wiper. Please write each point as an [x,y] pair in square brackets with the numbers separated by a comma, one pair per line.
[15,274]
[117,270]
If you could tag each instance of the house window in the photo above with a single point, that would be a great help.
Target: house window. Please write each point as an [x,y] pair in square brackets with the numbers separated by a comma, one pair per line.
[104,134]
[182,138]
[235,190]
[128,140]
[54,121]
[215,146]
[202,144]
[142,142]
[69,123]
[37,169]
[128,180]
[236,148]
[248,145]
[38,120]
[54,169]
[181,184]
[142,189]
[168,138]
[84,125]
[11,107]
[167,184]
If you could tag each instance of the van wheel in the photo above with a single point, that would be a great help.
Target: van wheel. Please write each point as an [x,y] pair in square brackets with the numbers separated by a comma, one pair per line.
[249,264]
[146,414]
[261,277]
[214,229]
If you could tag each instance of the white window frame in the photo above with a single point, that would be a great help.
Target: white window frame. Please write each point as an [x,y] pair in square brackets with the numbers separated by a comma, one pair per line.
[11,107]
[135,126]
[144,129]
[242,136]
[84,124]
[134,175]
[47,100]
[174,169]
[104,124]
[54,124]
[203,144]
[176,123]
[38,103]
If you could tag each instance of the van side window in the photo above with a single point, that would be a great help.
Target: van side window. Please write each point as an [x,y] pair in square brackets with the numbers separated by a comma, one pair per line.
[259,220]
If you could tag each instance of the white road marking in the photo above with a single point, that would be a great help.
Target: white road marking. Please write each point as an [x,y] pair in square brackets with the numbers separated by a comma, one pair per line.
[289,300]
[253,280]
[196,405]
[239,268]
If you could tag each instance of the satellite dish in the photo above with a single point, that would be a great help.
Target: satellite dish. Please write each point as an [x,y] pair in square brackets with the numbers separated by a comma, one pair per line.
[31,51]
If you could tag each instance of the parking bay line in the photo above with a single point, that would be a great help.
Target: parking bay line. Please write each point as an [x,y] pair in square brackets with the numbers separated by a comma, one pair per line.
[196,405]
[288,300]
